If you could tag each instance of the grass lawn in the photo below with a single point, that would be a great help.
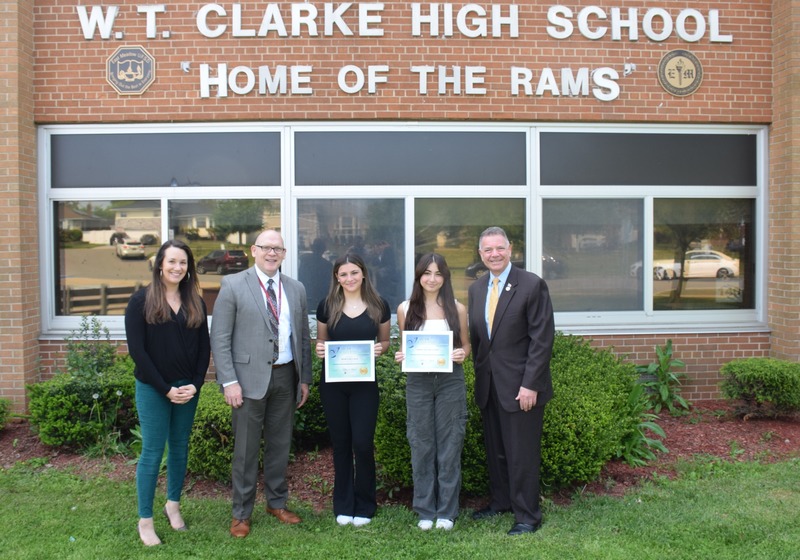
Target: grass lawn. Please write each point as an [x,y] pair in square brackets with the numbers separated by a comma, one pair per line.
[715,510]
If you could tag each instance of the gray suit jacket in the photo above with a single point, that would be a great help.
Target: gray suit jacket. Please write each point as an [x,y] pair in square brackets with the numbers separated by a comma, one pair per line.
[240,333]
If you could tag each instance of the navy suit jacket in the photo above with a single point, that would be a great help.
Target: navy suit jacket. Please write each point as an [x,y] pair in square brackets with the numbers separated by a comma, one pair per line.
[519,351]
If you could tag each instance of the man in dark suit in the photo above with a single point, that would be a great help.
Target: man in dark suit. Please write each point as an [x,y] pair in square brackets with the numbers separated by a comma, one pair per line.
[262,354]
[511,352]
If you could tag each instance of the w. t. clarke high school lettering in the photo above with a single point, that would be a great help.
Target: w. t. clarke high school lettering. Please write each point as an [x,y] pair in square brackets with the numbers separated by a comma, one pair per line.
[439,20]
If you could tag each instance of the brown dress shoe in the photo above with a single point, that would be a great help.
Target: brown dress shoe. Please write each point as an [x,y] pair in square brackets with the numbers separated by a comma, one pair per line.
[284,515]
[240,528]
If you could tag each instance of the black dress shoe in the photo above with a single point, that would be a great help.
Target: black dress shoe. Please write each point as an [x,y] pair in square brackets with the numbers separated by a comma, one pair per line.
[487,512]
[522,528]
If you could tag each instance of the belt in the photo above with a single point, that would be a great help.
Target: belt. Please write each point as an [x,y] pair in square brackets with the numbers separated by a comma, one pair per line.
[278,366]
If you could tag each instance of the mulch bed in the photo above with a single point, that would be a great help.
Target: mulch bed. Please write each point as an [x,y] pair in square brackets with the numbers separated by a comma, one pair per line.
[709,429]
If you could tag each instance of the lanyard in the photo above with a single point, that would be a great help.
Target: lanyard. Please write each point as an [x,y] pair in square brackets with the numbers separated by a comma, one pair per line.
[276,312]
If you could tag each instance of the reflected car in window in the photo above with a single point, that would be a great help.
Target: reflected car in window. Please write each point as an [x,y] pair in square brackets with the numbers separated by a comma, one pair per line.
[128,248]
[223,261]
[700,263]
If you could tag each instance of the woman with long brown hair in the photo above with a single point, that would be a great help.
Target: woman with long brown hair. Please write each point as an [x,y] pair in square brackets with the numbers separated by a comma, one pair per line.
[352,311]
[167,332]
[436,403]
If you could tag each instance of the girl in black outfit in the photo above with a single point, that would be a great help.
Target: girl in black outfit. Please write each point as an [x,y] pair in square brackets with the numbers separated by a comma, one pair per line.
[352,311]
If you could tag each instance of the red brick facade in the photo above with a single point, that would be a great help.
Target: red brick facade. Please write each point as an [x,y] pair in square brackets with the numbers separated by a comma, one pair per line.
[51,74]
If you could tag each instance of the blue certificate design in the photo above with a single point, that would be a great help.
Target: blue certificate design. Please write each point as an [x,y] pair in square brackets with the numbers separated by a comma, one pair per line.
[349,361]
[428,351]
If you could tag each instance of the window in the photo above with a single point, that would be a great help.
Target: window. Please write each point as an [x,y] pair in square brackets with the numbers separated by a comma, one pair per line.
[632,226]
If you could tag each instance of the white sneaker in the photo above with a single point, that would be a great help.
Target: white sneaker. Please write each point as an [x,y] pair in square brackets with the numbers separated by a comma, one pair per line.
[359,521]
[425,524]
[445,524]
[344,520]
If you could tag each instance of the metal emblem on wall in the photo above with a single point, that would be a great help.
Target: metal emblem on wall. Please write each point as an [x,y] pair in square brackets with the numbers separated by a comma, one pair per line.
[680,72]
[131,70]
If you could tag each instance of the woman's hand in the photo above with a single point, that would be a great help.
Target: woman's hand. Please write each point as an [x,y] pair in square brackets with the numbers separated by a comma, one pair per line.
[458,355]
[399,356]
[182,394]
[320,349]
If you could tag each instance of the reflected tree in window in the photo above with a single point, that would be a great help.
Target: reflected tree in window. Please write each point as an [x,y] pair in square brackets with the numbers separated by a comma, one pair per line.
[703,247]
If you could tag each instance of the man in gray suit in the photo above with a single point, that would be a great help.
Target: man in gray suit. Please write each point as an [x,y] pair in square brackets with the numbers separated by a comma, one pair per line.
[262,354]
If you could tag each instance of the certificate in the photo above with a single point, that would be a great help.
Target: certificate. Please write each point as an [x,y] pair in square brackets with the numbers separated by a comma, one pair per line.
[428,351]
[349,361]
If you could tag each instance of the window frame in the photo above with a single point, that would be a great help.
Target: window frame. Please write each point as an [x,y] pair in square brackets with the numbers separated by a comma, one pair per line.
[609,322]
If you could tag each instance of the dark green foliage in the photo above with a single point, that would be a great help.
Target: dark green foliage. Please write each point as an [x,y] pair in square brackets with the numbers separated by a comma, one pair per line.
[310,426]
[211,442]
[67,235]
[588,418]
[392,452]
[474,472]
[637,447]
[5,408]
[661,382]
[80,410]
[764,386]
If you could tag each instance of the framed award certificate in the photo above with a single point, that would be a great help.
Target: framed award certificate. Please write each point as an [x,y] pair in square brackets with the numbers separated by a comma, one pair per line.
[428,351]
[349,361]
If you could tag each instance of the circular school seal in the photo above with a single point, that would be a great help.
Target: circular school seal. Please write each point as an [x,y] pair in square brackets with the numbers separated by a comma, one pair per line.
[680,73]
[131,70]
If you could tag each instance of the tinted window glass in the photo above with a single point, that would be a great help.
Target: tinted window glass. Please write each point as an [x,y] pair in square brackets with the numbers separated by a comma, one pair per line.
[163,160]
[572,158]
[410,158]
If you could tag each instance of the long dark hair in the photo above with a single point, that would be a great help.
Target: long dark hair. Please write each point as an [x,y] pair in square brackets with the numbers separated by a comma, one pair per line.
[415,317]
[156,308]
[334,303]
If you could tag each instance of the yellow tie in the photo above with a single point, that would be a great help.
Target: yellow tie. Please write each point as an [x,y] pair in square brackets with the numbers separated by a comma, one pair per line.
[493,301]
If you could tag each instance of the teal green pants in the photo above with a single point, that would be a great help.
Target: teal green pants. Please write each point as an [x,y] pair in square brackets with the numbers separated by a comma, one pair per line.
[162,423]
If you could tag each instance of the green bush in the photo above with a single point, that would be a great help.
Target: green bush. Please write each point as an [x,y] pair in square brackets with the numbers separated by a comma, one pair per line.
[211,441]
[5,408]
[310,426]
[763,386]
[589,416]
[78,411]
[589,421]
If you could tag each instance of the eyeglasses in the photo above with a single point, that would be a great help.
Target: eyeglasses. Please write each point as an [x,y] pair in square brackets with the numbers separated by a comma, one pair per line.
[268,249]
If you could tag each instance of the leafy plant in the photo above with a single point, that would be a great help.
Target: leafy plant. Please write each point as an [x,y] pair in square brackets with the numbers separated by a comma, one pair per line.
[211,441]
[662,382]
[763,386]
[637,447]
[5,408]
[91,404]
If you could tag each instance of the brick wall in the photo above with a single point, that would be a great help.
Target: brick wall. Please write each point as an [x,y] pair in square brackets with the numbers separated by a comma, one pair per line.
[784,212]
[19,291]
[50,74]
[71,71]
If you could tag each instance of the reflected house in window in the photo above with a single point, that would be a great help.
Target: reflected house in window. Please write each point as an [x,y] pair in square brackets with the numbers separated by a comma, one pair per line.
[84,219]
[196,217]
[137,215]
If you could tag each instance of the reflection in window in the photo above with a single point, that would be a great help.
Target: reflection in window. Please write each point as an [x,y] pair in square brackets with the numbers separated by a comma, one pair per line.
[590,251]
[452,228]
[220,233]
[373,229]
[102,251]
[703,254]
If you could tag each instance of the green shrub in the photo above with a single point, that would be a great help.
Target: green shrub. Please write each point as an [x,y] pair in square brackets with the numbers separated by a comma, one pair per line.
[5,409]
[661,382]
[211,441]
[589,416]
[763,386]
[589,421]
[310,426]
[81,410]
